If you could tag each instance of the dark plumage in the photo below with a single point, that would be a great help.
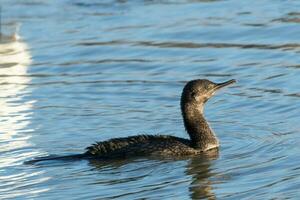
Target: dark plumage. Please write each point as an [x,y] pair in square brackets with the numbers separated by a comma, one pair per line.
[194,95]
[140,145]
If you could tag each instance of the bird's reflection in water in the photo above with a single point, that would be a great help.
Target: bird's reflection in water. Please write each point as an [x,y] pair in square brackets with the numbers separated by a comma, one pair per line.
[198,167]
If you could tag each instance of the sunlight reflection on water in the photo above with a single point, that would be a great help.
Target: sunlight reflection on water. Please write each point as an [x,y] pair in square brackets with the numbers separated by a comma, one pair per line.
[15,117]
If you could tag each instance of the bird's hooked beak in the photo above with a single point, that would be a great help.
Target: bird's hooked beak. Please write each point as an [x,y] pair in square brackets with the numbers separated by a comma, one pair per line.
[224,84]
[218,86]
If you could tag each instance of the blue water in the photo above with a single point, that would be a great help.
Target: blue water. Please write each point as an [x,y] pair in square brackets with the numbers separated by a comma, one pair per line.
[85,71]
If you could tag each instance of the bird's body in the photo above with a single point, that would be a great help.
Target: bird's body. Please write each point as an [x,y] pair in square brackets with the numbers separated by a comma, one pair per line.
[142,145]
[202,138]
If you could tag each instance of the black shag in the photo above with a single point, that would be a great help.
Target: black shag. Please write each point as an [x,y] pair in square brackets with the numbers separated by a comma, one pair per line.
[194,95]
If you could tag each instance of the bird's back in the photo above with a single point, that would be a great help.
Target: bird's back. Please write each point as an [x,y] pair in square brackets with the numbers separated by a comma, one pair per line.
[141,145]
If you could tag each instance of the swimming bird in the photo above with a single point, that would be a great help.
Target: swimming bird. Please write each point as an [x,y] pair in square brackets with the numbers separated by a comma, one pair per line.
[193,98]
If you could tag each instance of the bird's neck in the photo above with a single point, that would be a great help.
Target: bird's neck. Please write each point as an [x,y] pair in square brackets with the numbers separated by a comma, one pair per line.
[201,135]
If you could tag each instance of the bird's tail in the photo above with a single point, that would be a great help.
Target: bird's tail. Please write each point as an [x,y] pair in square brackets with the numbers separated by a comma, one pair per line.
[63,158]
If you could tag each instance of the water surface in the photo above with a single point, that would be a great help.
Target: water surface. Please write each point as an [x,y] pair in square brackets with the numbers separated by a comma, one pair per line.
[85,71]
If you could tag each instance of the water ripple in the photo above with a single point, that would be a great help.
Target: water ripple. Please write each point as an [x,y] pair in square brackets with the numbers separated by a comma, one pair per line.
[192,45]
